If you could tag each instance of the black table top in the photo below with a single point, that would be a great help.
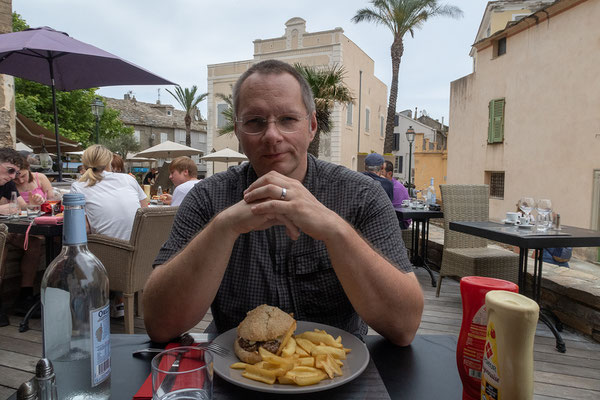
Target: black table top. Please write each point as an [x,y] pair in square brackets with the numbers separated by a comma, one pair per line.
[567,236]
[20,225]
[423,370]
[410,213]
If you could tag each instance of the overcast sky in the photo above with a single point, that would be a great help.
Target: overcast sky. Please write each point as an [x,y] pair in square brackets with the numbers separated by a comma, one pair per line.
[177,39]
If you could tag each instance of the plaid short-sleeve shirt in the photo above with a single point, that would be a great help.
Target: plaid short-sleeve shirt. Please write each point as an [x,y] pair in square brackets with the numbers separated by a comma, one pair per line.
[268,267]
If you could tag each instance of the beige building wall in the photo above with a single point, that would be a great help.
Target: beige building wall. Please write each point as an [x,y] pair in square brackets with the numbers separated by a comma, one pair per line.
[429,163]
[325,48]
[550,82]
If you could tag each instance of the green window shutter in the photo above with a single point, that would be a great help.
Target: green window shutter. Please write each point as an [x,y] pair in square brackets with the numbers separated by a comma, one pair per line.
[496,121]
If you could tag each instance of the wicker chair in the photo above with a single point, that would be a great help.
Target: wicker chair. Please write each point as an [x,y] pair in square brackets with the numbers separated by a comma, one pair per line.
[3,234]
[129,263]
[468,255]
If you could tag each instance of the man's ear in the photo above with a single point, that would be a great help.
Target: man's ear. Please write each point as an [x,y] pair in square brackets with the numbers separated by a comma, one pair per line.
[313,125]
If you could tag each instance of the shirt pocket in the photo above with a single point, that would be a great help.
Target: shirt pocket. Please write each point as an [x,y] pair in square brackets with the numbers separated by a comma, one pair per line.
[318,295]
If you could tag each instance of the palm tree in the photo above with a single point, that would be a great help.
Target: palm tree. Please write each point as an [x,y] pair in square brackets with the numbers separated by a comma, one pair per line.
[188,99]
[229,126]
[401,16]
[328,87]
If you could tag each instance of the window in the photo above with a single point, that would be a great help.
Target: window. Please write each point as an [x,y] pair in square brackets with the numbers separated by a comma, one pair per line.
[136,135]
[396,120]
[398,164]
[221,120]
[367,117]
[499,47]
[164,137]
[496,121]
[496,181]
[381,128]
[180,137]
[349,114]
[396,141]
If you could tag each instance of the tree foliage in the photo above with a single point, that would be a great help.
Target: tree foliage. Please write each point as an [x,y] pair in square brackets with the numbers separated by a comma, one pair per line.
[328,87]
[401,16]
[228,114]
[75,117]
[189,100]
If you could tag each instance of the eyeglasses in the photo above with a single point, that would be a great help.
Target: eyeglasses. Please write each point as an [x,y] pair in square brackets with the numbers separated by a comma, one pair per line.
[11,170]
[256,124]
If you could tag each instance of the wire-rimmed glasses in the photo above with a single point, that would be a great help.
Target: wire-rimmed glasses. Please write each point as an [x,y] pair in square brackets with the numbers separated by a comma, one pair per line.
[257,124]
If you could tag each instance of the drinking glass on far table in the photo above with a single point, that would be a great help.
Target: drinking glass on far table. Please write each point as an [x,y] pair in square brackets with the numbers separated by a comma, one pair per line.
[54,197]
[526,205]
[182,373]
[13,206]
[544,208]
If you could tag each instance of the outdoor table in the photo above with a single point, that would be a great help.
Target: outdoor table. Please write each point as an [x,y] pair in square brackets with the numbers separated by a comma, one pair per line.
[424,370]
[525,239]
[420,223]
[20,225]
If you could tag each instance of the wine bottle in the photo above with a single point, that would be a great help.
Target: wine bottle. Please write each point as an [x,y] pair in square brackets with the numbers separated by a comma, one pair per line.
[76,314]
[431,193]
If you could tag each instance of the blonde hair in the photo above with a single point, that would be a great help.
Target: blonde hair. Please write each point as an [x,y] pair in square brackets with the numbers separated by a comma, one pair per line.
[95,160]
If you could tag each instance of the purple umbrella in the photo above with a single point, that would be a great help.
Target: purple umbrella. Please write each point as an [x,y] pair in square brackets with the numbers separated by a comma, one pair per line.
[53,58]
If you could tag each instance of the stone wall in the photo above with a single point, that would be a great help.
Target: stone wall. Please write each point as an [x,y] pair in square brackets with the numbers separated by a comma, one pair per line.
[7,100]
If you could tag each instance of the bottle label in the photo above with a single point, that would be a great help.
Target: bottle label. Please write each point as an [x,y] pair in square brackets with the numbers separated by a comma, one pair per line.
[490,380]
[100,335]
[473,349]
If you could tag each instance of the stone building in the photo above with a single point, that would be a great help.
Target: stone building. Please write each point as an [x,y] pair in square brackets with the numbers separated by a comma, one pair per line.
[156,123]
[526,120]
[7,85]
[357,128]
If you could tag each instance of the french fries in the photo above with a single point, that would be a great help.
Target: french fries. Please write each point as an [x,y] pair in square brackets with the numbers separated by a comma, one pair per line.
[306,359]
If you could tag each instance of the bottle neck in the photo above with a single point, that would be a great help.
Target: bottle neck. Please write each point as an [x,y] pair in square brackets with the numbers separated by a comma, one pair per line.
[74,231]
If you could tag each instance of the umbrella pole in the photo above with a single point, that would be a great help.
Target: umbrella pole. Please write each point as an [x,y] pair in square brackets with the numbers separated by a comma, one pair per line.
[58,155]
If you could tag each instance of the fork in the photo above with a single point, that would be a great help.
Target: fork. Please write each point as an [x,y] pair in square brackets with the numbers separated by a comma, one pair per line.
[212,347]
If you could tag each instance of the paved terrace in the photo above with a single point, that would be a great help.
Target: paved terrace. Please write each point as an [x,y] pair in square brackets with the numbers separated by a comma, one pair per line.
[573,375]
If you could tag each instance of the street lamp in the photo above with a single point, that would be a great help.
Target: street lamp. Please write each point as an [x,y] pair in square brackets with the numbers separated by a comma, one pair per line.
[410,136]
[97,110]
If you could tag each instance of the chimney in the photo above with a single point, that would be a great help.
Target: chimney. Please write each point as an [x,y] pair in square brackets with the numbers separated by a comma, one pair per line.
[126,96]
[416,115]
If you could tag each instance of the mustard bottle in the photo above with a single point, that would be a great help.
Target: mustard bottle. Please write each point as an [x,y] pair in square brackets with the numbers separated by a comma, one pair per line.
[507,371]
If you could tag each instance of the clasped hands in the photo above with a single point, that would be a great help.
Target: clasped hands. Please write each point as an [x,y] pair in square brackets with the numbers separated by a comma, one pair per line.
[274,199]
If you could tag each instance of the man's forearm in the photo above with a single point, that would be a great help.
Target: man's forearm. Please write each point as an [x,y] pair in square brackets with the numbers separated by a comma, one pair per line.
[389,300]
[179,292]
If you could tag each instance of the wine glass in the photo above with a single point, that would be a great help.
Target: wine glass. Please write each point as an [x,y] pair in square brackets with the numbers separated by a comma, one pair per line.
[526,205]
[543,208]
[54,197]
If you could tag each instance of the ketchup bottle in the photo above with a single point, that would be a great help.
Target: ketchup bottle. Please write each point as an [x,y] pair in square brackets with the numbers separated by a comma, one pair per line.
[471,341]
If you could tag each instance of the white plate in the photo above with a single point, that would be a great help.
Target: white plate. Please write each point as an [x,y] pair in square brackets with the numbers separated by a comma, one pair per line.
[509,222]
[354,365]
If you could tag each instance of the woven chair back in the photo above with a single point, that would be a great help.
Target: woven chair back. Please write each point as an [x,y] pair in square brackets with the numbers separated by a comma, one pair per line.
[464,203]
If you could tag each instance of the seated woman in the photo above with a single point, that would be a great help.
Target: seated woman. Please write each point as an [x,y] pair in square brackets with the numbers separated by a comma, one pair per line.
[111,199]
[33,186]
[117,164]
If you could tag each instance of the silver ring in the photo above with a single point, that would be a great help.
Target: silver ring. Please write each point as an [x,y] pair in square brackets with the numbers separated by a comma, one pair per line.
[283,193]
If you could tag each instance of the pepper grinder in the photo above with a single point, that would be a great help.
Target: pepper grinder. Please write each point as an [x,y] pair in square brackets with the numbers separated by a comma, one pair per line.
[46,380]
[28,391]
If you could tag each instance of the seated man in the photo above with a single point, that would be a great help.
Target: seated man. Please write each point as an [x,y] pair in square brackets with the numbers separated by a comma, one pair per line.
[558,255]
[286,229]
[183,174]
[400,192]
[373,168]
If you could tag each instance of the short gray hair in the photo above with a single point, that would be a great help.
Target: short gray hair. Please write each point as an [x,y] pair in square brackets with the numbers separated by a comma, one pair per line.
[275,67]
[373,168]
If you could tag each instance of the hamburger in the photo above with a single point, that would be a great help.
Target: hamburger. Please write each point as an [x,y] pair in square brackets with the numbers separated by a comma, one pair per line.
[265,326]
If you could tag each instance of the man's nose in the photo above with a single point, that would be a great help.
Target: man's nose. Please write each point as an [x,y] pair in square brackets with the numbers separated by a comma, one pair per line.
[272,132]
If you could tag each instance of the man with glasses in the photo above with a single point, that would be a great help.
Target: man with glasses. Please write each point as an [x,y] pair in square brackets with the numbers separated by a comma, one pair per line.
[286,229]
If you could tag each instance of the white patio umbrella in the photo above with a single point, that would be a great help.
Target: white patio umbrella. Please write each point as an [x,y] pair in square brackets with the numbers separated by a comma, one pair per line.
[23,147]
[134,158]
[226,155]
[168,149]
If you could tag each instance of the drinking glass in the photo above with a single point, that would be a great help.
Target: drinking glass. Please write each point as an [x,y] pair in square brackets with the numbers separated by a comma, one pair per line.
[13,206]
[526,205]
[543,208]
[182,373]
[54,197]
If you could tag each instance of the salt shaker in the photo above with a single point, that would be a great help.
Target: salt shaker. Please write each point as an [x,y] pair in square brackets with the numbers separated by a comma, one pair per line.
[557,221]
[46,380]
[27,391]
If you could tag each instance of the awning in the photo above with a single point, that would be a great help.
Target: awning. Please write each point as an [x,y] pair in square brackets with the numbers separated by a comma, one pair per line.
[30,133]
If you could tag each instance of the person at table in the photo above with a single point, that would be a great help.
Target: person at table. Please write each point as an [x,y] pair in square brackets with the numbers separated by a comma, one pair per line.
[111,199]
[11,163]
[150,177]
[373,168]
[400,191]
[183,173]
[117,165]
[33,186]
[558,256]
[286,229]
